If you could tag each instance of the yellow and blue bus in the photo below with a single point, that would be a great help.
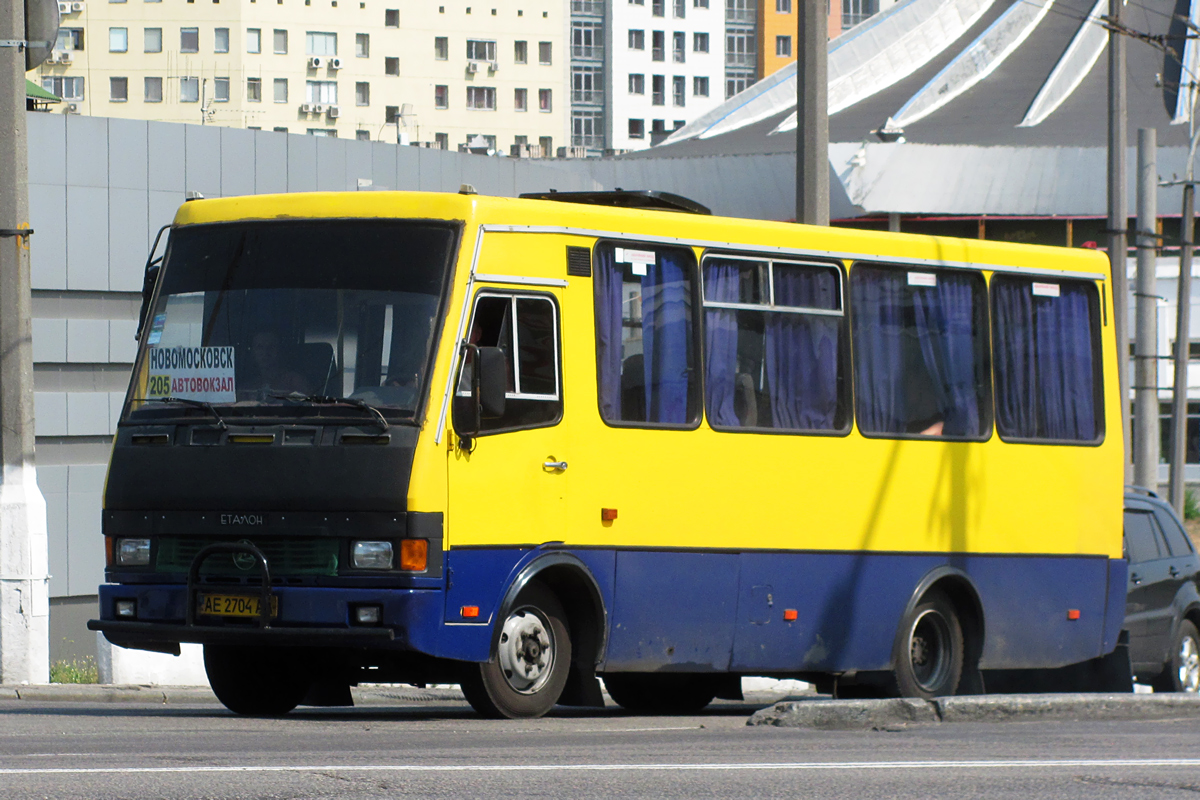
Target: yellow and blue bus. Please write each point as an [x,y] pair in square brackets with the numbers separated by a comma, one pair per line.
[527,444]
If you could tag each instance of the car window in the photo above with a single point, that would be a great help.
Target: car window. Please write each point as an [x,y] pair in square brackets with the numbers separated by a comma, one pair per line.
[1177,540]
[1141,541]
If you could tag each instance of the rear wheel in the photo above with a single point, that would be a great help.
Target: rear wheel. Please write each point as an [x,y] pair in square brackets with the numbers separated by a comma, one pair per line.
[1183,670]
[256,681]
[528,671]
[662,692]
[929,649]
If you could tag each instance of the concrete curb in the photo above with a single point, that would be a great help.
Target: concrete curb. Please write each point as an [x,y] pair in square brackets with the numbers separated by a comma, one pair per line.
[884,714]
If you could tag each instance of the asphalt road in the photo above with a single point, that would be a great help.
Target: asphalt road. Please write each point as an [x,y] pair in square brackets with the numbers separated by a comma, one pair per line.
[134,751]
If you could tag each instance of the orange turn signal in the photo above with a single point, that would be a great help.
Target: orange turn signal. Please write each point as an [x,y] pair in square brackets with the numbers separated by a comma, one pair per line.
[414,554]
[1072,613]
[608,514]
[789,615]
[108,551]
[470,611]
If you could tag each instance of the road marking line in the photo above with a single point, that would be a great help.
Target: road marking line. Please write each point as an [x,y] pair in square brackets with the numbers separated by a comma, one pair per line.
[798,766]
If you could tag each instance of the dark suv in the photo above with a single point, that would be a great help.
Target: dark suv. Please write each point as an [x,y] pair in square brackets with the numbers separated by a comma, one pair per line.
[1162,607]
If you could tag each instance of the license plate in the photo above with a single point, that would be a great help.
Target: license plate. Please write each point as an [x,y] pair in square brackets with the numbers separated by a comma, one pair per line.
[235,605]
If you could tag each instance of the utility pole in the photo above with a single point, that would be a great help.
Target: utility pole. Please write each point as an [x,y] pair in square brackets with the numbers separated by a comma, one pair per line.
[1145,386]
[1118,210]
[812,113]
[1179,399]
[24,590]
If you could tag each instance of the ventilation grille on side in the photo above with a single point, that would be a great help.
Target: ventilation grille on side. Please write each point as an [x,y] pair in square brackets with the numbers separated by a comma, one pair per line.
[579,262]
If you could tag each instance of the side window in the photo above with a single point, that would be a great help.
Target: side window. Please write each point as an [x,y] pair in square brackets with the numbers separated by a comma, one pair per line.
[526,326]
[774,344]
[646,335]
[1047,367]
[1177,540]
[1141,542]
[920,349]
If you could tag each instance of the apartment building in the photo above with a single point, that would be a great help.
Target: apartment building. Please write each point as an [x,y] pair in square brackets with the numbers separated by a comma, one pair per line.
[777,27]
[492,74]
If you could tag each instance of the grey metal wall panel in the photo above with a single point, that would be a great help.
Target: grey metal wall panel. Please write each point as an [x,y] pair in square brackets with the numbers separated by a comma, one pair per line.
[358,163]
[428,170]
[302,164]
[202,156]
[85,551]
[489,175]
[49,341]
[128,154]
[87,413]
[331,164]
[87,340]
[48,247]
[127,236]
[53,483]
[161,211]
[116,402]
[383,165]
[270,162]
[50,413]
[411,163]
[87,238]
[122,347]
[237,162]
[87,151]
[166,156]
[47,147]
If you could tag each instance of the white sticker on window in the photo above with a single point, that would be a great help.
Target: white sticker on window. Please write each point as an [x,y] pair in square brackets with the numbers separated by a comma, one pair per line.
[922,279]
[1045,290]
[193,373]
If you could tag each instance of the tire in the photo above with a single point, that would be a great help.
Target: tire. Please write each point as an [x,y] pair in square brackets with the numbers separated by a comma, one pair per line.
[929,649]
[1183,667]
[661,692]
[256,681]
[527,673]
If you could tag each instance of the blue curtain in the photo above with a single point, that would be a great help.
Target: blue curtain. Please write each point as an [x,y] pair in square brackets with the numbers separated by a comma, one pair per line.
[877,301]
[666,332]
[721,280]
[802,351]
[609,350]
[1016,390]
[943,316]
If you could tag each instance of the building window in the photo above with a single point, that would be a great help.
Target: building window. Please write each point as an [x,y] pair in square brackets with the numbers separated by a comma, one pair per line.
[658,46]
[856,11]
[637,129]
[152,90]
[637,2]
[329,133]
[362,45]
[152,40]
[281,90]
[318,43]
[441,96]
[280,129]
[441,48]
[254,90]
[678,88]
[699,42]
[658,8]
[321,92]
[362,136]
[118,40]
[637,40]
[587,129]
[736,84]
[442,140]
[254,40]
[699,3]
[481,98]
[742,11]
[679,9]
[679,47]
[520,52]
[544,100]
[545,53]
[391,115]
[637,84]
[221,40]
[362,93]
[118,90]
[546,143]
[587,85]
[189,40]
[783,45]
[189,90]
[221,90]
[391,65]
[72,39]
[65,87]
[587,40]
[658,90]
[521,100]
[280,41]
[783,6]
[739,50]
[391,18]
[481,50]
[700,86]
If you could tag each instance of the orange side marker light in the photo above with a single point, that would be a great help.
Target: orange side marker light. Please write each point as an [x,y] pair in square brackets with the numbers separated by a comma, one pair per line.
[789,615]
[608,514]
[1072,613]
[470,611]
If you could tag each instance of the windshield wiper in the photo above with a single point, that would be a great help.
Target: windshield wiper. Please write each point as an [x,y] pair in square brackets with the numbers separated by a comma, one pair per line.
[195,403]
[325,400]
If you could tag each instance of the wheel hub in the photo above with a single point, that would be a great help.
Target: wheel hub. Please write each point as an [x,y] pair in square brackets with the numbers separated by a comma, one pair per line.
[1189,665]
[929,650]
[526,651]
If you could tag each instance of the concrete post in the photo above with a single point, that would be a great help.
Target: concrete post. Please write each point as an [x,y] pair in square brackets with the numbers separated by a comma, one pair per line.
[24,583]
[1145,386]
[1183,327]
[812,114]
[1118,211]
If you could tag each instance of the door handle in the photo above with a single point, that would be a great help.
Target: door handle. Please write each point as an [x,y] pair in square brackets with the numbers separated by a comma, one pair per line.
[555,465]
[1174,572]
[1133,576]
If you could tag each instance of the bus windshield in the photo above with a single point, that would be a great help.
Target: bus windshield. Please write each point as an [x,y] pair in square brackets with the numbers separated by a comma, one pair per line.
[279,318]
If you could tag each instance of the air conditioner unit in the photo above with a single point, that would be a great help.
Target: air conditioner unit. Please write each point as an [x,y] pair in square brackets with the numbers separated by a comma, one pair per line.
[318,108]
[333,112]
[51,59]
[493,65]
[64,8]
[64,57]
[73,108]
[306,108]
[472,66]
[335,63]
[77,6]
[316,62]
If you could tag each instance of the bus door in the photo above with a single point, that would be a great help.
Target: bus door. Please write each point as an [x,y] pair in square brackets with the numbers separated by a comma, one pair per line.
[509,488]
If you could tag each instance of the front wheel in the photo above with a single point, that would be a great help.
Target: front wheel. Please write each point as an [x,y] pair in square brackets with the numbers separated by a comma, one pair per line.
[1183,670]
[256,681]
[527,673]
[929,649]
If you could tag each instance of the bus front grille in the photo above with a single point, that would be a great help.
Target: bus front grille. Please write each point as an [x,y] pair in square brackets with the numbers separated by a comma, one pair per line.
[308,556]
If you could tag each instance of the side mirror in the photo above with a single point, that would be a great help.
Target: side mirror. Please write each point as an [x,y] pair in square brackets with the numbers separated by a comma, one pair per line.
[485,377]
[149,281]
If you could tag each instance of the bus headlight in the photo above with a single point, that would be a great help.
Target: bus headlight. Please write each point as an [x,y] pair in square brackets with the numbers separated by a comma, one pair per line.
[371,555]
[133,552]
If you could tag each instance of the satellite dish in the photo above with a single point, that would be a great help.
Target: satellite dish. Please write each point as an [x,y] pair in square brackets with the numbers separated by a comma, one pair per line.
[41,30]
